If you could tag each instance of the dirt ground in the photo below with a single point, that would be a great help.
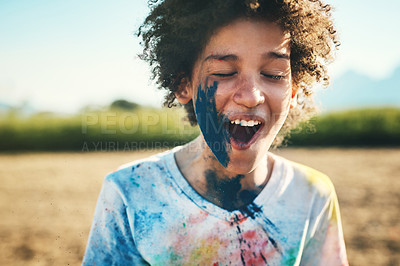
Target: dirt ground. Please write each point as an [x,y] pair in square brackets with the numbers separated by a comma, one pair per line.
[47,201]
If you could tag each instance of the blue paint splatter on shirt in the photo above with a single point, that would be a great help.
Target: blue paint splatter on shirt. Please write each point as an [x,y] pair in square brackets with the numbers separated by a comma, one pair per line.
[212,123]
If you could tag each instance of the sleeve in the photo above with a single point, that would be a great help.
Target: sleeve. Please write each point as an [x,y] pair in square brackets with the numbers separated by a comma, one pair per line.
[110,240]
[326,245]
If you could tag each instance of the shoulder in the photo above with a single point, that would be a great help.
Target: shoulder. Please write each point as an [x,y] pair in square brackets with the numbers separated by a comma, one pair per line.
[307,178]
[140,175]
[153,160]
[314,178]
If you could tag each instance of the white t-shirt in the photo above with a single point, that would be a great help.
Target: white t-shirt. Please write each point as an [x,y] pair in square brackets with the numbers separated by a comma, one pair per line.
[147,213]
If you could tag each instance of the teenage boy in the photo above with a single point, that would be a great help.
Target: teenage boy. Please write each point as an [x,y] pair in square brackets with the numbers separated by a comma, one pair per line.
[242,69]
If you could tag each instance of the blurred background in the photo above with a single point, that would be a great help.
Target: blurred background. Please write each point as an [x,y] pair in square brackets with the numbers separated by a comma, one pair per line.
[76,102]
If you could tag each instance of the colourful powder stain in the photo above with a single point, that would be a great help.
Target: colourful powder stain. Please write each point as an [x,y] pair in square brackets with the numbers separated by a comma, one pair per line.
[315,177]
[227,189]
[211,123]
[323,183]
[186,250]
[206,252]
[291,256]
[249,234]
[255,248]
[193,247]
[333,246]
[198,218]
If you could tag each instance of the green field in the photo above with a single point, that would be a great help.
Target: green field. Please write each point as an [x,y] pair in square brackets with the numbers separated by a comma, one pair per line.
[357,128]
[93,131]
[154,128]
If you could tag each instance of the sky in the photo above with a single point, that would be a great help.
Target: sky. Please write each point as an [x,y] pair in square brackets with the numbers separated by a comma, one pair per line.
[63,55]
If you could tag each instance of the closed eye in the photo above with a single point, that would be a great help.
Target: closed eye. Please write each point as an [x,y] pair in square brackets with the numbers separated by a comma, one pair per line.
[223,75]
[274,77]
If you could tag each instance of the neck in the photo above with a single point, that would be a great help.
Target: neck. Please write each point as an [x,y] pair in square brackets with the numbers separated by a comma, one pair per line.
[217,184]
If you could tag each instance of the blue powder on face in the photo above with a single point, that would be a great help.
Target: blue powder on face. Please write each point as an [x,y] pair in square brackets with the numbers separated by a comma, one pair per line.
[211,123]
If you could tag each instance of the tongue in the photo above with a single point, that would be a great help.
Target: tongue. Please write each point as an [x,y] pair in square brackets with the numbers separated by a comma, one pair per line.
[242,134]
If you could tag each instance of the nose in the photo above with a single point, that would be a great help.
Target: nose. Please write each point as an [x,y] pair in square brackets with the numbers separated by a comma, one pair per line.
[248,94]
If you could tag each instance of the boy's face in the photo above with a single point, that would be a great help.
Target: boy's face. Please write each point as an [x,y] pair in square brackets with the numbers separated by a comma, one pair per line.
[242,91]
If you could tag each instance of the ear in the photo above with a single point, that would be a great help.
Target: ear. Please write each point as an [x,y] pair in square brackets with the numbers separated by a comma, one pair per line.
[184,93]
[293,99]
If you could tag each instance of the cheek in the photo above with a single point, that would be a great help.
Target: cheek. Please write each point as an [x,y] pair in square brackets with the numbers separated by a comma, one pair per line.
[219,96]
[211,123]
[279,98]
[222,97]
[278,103]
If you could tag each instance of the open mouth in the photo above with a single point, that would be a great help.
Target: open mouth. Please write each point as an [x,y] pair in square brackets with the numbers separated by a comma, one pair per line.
[242,131]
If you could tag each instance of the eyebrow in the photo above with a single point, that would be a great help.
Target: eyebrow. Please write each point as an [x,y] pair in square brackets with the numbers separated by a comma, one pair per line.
[232,57]
[227,57]
[276,55]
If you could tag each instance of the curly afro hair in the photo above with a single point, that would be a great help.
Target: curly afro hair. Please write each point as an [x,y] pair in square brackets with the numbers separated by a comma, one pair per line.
[176,31]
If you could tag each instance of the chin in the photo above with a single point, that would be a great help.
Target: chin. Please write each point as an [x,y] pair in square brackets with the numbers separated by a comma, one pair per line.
[244,161]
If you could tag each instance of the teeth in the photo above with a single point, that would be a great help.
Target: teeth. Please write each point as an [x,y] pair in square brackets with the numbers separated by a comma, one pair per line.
[245,123]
